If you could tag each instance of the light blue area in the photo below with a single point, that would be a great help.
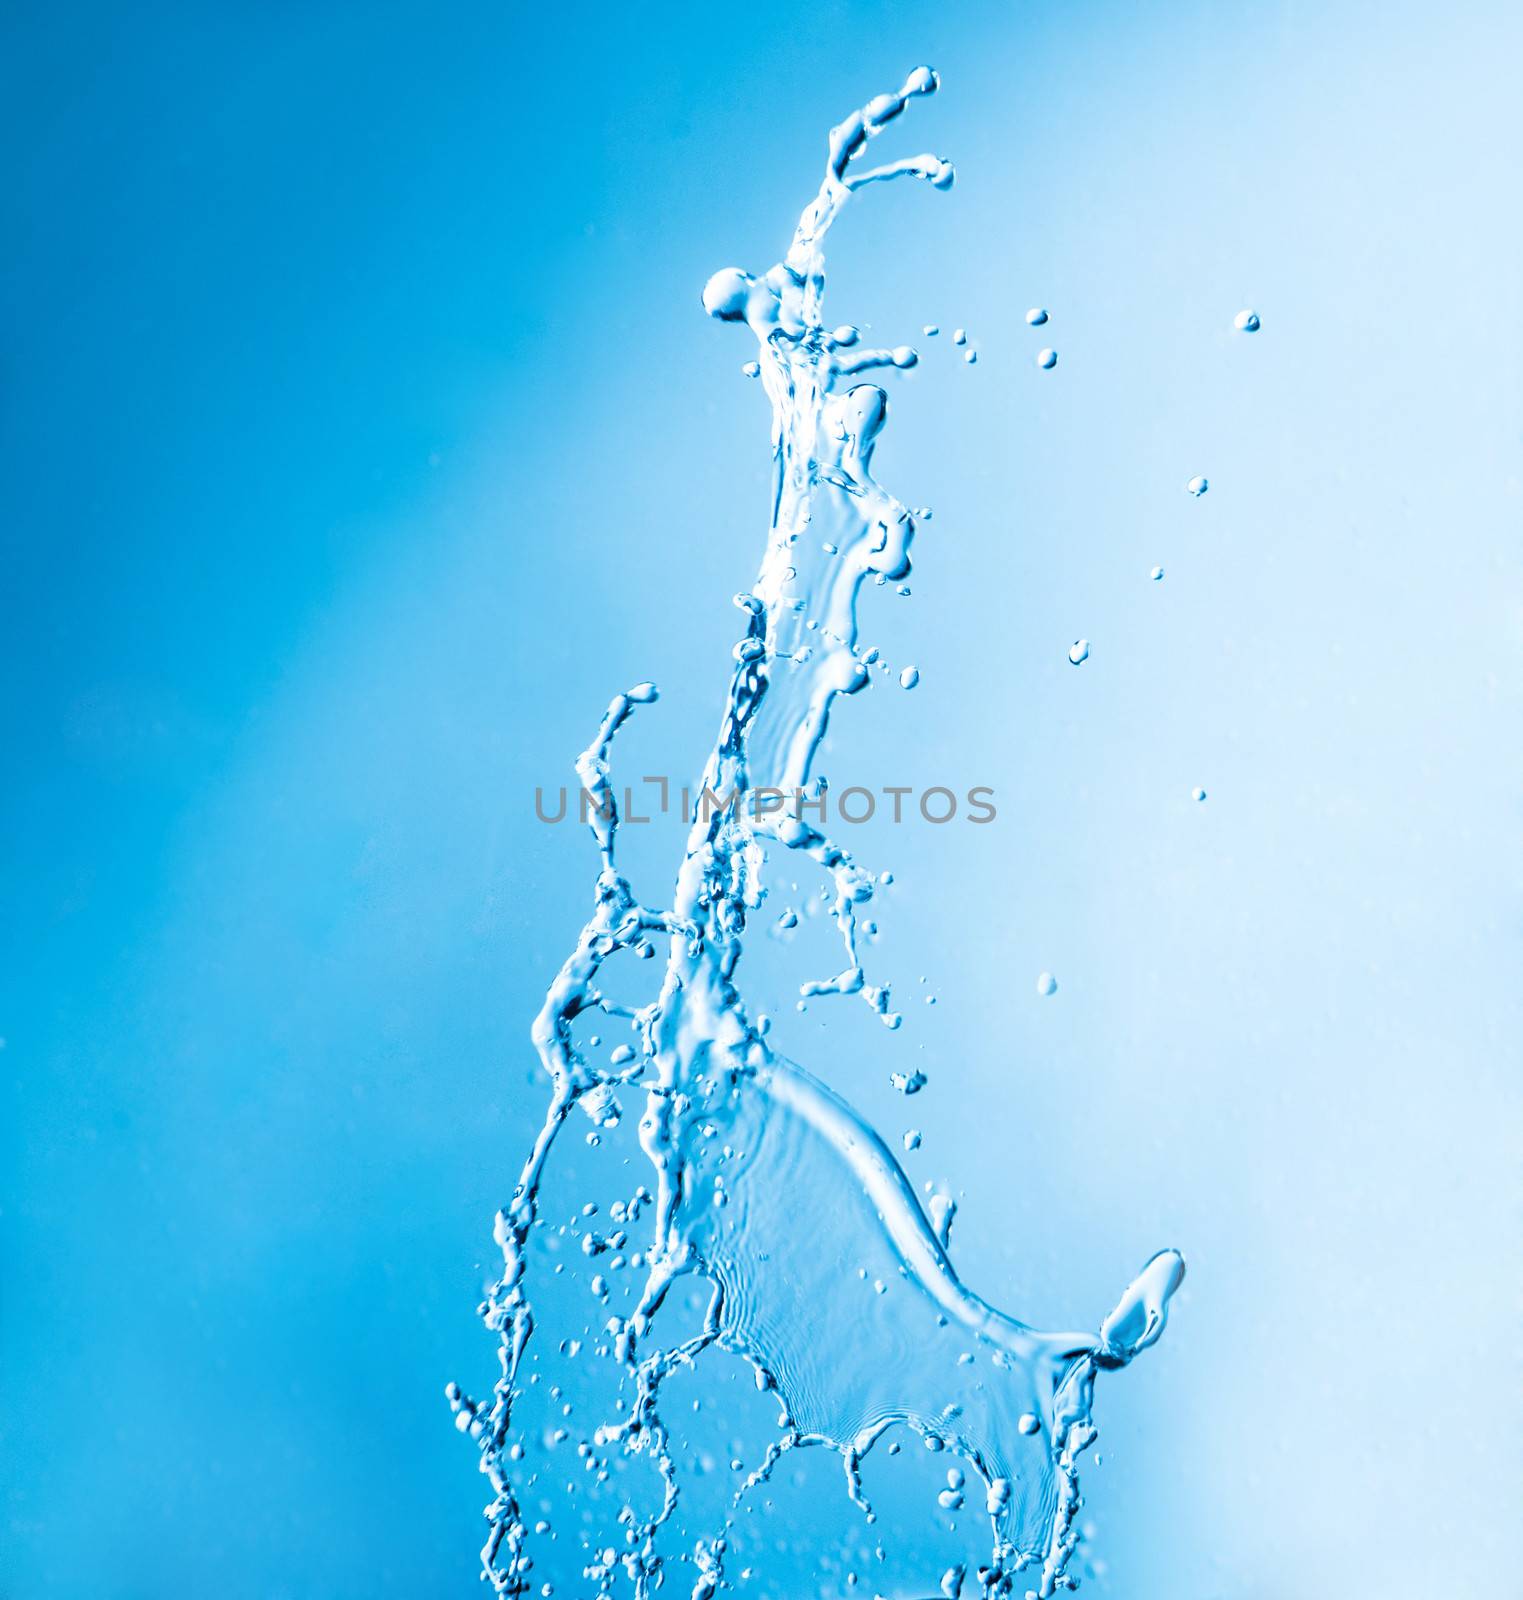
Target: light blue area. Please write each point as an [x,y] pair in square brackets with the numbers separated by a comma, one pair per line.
[362,434]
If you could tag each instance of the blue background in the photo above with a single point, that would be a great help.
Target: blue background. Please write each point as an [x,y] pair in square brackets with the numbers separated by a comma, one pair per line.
[361,435]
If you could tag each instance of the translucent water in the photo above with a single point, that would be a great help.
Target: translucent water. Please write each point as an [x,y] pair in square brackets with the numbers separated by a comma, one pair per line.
[817,1263]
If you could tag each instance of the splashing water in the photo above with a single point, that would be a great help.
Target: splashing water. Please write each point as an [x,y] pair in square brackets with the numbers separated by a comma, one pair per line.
[769,1190]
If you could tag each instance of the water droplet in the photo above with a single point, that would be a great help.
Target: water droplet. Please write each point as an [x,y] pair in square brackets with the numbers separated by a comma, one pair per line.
[1197,486]
[1247,322]
[1037,317]
[1078,651]
[1046,984]
[1156,574]
[912,1139]
[1047,359]
[907,1082]
[971,357]
[959,336]
[1197,794]
[930,330]
[752,369]
[1029,1423]
[909,677]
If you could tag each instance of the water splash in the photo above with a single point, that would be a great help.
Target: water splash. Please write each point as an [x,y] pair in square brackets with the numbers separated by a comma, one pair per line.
[818,1263]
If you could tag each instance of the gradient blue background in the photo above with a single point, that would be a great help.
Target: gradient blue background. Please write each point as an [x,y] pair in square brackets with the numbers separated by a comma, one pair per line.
[361,434]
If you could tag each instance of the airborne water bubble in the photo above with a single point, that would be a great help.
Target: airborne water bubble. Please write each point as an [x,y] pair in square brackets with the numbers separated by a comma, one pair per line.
[1047,359]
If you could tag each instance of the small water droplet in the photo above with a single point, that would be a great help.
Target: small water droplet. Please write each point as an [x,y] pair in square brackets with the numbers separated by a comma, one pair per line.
[959,336]
[1037,317]
[1046,984]
[1247,322]
[1197,486]
[1156,574]
[971,357]
[1197,794]
[1047,359]
[930,330]
[912,1139]
[1029,1423]
[752,369]
[1078,651]
[909,677]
